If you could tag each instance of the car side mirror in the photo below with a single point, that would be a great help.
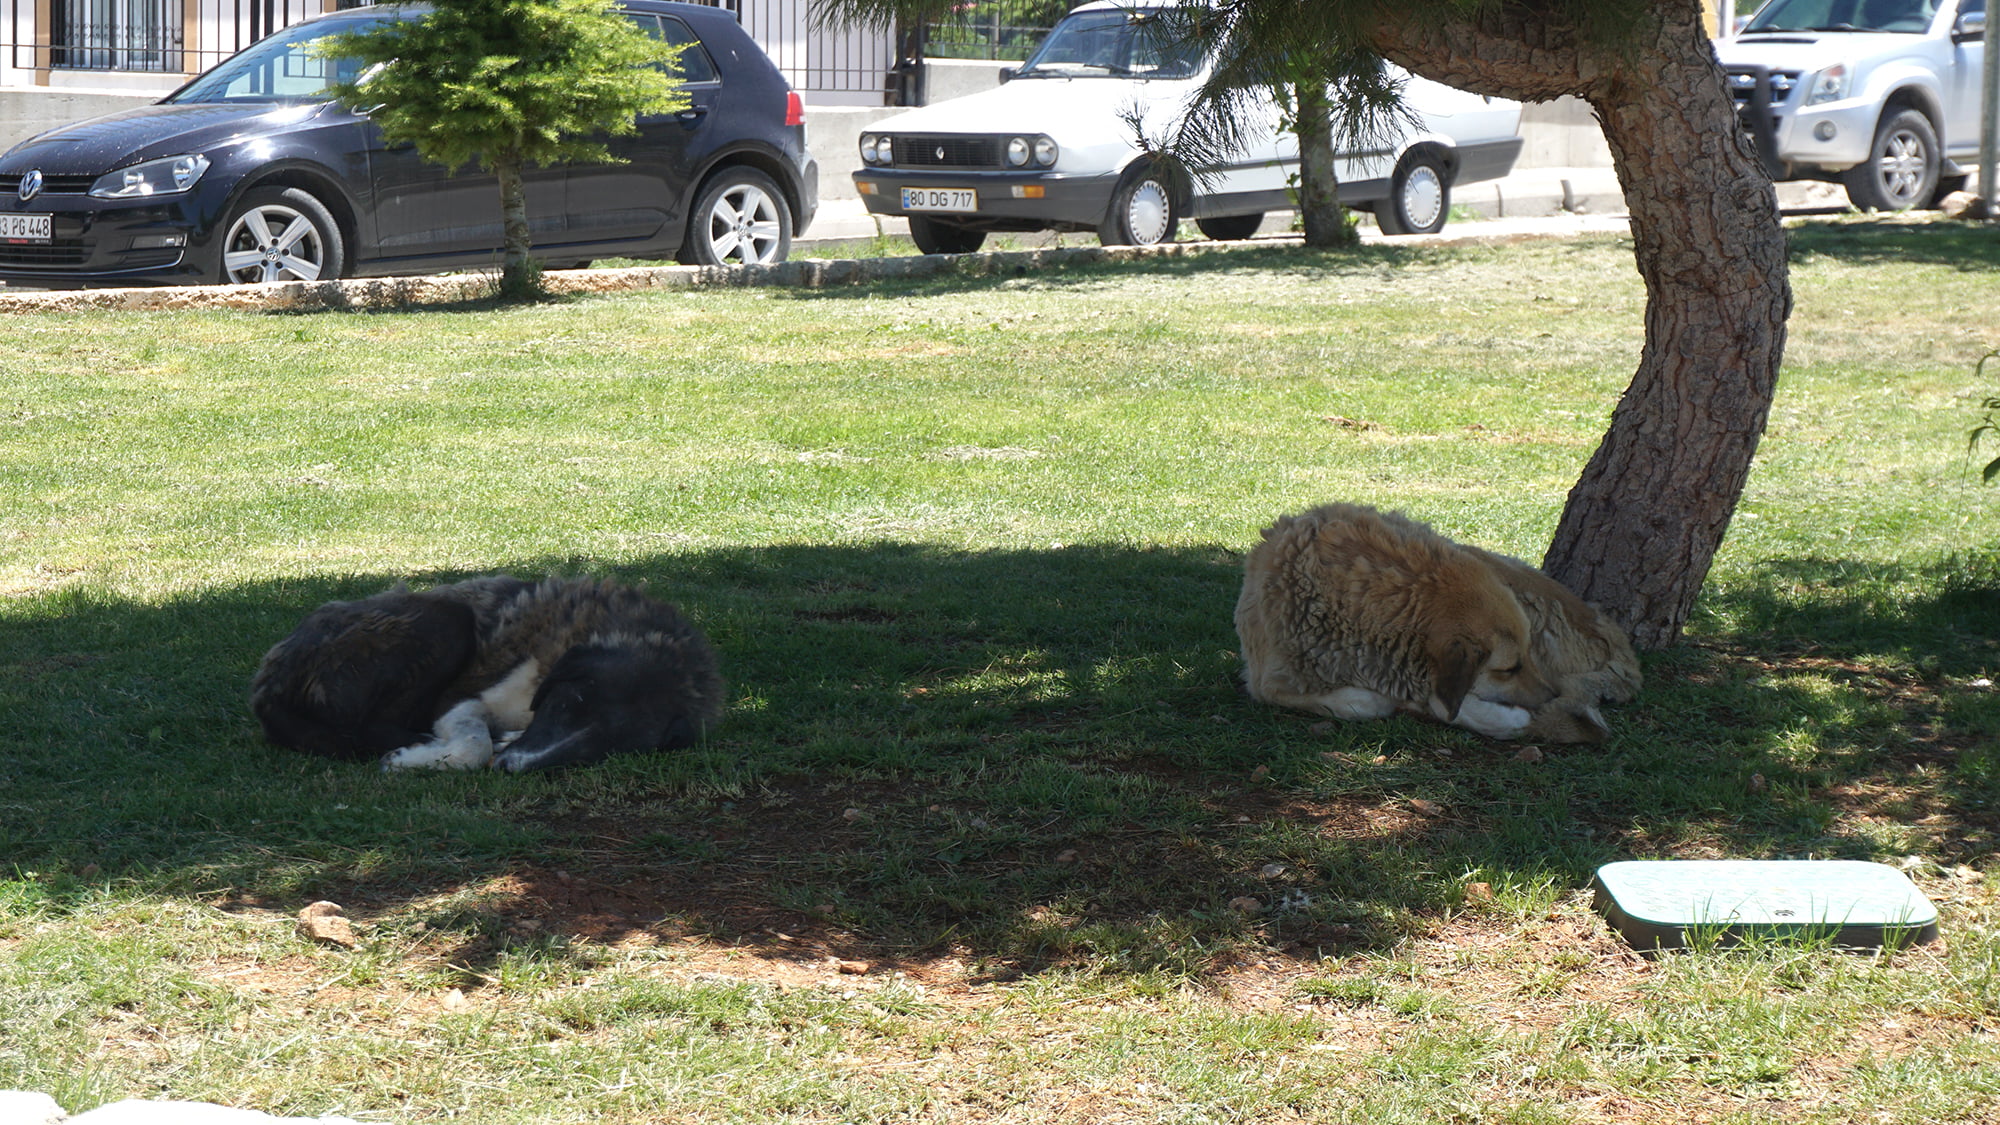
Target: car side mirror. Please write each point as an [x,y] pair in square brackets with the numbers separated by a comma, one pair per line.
[1006,75]
[1971,25]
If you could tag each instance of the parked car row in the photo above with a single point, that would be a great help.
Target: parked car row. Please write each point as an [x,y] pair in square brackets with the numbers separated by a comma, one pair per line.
[250,174]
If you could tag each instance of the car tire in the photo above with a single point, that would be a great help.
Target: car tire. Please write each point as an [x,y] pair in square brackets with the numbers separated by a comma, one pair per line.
[1901,171]
[1143,211]
[935,236]
[1419,197]
[740,218]
[276,234]
[1230,228]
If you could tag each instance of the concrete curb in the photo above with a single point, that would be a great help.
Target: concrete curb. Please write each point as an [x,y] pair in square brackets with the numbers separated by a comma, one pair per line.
[799,273]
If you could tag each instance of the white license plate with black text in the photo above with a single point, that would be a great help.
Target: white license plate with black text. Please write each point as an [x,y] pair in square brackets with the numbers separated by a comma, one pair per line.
[27,228]
[940,199]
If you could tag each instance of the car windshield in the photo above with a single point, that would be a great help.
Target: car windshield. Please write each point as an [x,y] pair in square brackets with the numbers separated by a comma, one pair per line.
[279,68]
[1912,16]
[1112,43]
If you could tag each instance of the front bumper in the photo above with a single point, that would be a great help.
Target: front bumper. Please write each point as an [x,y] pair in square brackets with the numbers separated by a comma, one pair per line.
[1007,200]
[1831,137]
[1800,140]
[103,240]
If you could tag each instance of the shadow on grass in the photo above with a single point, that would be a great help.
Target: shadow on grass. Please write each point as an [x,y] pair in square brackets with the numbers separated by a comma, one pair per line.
[1019,759]
[1898,240]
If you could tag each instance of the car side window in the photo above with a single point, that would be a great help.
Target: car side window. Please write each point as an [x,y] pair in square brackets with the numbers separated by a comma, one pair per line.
[693,63]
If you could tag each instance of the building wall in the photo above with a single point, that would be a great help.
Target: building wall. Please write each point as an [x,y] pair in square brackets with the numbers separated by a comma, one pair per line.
[23,113]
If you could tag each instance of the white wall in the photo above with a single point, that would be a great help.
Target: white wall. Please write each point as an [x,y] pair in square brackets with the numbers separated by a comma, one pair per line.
[1562,134]
[23,113]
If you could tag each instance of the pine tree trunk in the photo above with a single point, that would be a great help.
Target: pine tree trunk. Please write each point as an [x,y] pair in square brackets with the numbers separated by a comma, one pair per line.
[1325,219]
[518,276]
[1646,517]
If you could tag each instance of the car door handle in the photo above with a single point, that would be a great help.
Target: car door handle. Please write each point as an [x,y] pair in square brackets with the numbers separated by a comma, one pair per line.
[692,114]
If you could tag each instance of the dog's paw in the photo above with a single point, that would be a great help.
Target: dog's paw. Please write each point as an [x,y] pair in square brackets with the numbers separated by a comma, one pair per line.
[457,754]
[1567,721]
[1494,720]
[421,756]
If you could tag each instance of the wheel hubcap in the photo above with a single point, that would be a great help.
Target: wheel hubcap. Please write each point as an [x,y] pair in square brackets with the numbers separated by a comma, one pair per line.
[1147,215]
[1423,197]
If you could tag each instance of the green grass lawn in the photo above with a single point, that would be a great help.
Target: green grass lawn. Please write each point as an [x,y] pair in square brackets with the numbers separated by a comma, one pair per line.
[975,839]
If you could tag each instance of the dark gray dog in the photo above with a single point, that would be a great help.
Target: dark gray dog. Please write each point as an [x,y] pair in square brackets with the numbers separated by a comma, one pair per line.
[582,669]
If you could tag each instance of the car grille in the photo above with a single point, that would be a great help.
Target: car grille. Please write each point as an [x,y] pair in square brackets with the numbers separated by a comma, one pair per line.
[948,152]
[50,255]
[1742,83]
[10,184]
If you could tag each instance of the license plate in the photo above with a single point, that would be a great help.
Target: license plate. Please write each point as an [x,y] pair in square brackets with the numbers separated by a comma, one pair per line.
[27,228]
[940,199]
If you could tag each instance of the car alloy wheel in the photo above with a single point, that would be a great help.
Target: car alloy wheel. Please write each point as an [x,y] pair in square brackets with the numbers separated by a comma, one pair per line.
[741,219]
[1903,165]
[280,235]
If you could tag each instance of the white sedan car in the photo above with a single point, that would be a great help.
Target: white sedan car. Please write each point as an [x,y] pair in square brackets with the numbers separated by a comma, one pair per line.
[1059,146]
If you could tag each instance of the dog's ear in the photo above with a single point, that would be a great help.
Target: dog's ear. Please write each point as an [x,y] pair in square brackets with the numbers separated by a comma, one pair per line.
[1456,665]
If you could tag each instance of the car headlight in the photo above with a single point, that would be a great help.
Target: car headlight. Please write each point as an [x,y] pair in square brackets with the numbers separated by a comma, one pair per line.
[1829,85]
[165,176]
[877,149]
[1041,150]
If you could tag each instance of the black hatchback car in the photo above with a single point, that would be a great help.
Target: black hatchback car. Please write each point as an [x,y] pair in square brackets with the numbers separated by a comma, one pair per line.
[250,174]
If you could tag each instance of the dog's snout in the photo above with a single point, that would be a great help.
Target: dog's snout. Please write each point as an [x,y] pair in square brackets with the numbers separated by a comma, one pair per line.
[1522,684]
[1537,686]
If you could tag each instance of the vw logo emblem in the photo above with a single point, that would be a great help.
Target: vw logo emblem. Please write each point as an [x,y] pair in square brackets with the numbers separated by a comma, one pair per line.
[31,185]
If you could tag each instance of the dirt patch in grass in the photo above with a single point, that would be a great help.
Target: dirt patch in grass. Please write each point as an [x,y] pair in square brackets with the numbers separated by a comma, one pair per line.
[715,905]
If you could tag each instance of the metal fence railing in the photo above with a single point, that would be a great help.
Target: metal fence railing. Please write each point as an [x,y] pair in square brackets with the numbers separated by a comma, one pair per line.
[826,62]
[993,29]
[171,37]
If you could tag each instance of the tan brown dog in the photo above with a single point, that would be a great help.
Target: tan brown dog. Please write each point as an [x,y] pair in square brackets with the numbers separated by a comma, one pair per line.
[1356,613]
[1584,652]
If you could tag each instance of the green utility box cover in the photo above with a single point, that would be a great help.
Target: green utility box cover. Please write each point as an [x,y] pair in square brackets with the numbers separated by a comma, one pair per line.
[1669,904]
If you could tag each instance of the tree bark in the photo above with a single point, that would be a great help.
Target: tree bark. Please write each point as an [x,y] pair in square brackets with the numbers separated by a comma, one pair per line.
[1325,219]
[1644,520]
[517,274]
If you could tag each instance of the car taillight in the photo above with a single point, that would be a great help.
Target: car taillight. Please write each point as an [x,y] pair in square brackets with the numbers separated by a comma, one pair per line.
[795,110]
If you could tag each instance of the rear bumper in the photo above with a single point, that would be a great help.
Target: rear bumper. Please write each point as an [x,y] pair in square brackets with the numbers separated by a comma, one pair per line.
[1486,160]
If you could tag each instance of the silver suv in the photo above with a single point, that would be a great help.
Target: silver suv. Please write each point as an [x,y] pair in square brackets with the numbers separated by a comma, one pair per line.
[1880,96]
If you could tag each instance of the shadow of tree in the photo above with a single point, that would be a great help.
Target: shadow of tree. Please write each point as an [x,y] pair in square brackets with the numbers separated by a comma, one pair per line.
[1899,240]
[1015,759]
